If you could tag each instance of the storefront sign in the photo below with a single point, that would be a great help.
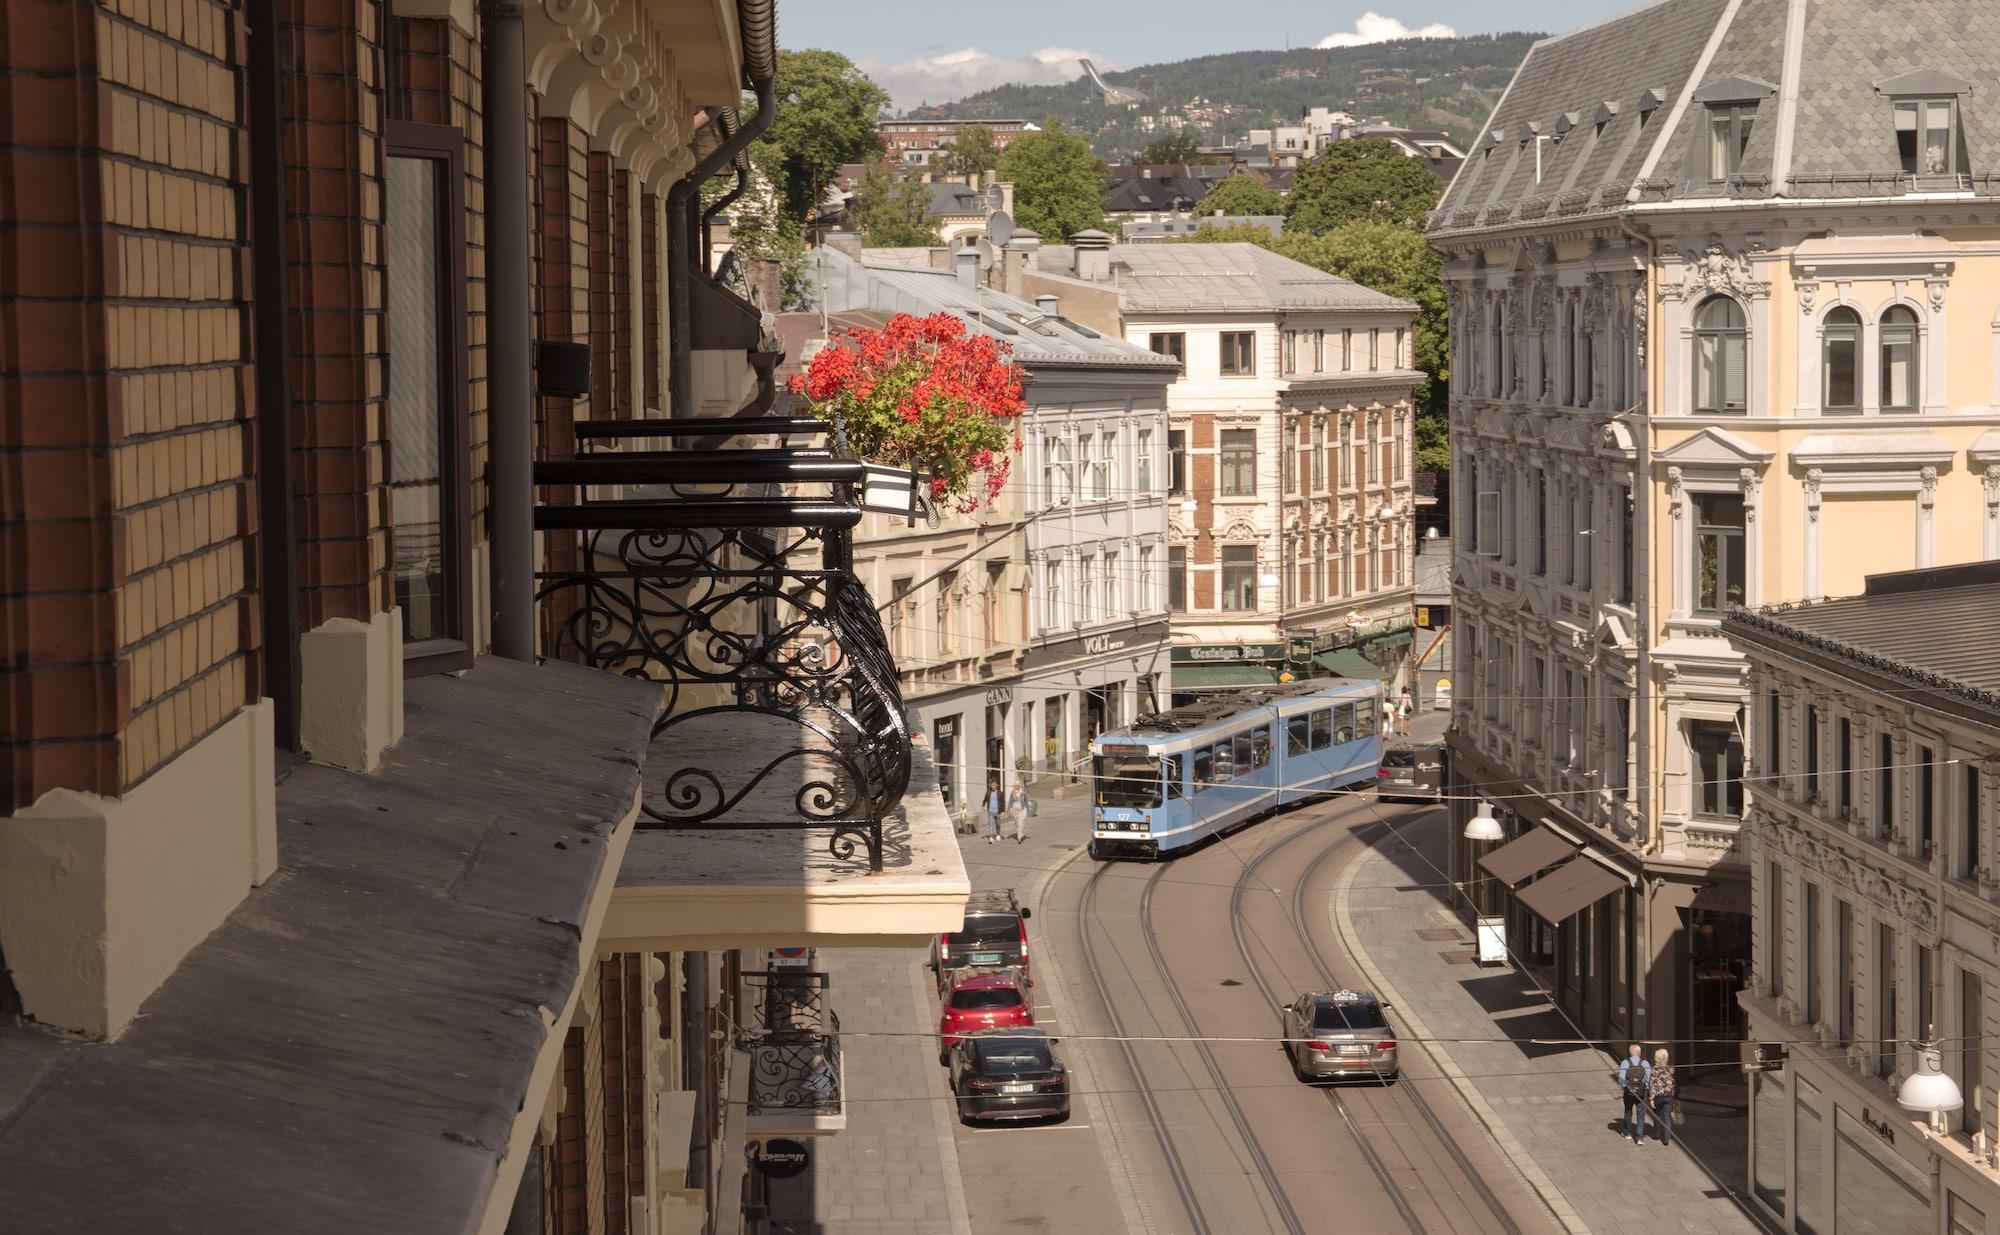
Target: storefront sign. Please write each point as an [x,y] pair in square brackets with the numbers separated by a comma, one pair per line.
[1139,640]
[999,695]
[781,1159]
[1226,653]
[1880,1127]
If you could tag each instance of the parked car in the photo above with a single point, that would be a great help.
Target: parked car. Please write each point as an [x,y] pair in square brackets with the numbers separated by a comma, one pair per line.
[1339,1034]
[1009,1074]
[1411,772]
[981,1001]
[994,936]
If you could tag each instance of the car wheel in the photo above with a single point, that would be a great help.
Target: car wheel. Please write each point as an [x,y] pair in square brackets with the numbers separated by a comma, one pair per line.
[944,1059]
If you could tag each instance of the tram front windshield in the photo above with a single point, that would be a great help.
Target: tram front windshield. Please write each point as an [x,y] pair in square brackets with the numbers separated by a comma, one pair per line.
[1128,780]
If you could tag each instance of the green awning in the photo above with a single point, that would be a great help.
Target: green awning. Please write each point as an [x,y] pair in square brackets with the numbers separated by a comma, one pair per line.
[1209,677]
[1348,663]
[1401,639]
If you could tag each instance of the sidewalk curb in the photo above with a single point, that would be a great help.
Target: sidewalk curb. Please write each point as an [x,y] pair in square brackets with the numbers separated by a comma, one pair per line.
[942,1115]
[1515,1152]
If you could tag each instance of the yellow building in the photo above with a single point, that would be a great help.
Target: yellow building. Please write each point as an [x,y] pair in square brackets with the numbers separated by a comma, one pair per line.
[1725,331]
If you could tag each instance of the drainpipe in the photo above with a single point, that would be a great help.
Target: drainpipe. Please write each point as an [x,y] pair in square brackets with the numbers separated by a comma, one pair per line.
[510,419]
[727,122]
[758,21]
[1642,609]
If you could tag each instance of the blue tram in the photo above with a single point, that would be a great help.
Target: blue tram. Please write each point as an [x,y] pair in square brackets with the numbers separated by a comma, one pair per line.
[1179,778]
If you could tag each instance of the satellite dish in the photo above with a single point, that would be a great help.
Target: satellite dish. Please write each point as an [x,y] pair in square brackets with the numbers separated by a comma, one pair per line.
[999,227]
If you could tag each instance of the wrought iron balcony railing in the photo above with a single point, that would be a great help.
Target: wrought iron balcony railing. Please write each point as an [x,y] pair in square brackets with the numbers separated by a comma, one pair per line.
[795,1075]
[708,574]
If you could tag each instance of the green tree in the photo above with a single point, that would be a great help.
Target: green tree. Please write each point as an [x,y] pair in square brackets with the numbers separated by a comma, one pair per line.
[1241,194]
[826,116]
[973,151]
[892,212]
[1179,146]
[1058,182]
[1363,179]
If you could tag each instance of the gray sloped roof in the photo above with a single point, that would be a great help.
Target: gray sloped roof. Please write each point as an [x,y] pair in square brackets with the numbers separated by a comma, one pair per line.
[1842,139]
[953,199]
[1154,193]
[1039,338]
[1188,225]
[1168,277]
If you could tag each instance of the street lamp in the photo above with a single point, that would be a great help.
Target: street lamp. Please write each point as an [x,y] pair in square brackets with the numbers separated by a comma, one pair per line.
[1928,1089]
[1482,825]
[1387,512]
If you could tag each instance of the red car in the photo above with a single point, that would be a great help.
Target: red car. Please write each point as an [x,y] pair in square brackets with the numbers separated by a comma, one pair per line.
[982,1001]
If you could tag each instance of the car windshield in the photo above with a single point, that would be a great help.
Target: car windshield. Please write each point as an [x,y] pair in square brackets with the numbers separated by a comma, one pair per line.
[1399,759]
[1128,780]
[1007,1058]
[985,999]
[989,930]
[1338,1016]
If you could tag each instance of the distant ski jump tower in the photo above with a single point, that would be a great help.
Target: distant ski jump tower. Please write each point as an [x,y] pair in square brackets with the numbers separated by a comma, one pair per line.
[1117,96]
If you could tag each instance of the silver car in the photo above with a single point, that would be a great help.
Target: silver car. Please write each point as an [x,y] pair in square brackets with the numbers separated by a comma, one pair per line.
[1331,1034]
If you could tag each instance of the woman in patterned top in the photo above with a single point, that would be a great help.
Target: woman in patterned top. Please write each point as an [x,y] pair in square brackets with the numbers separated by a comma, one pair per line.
[1665,1092]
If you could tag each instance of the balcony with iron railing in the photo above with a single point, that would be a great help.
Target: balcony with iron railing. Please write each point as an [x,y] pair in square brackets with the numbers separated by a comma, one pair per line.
[796,1083]
[783,798]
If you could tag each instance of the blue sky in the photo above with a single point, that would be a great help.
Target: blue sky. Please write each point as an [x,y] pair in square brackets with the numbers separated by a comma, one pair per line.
[947,49]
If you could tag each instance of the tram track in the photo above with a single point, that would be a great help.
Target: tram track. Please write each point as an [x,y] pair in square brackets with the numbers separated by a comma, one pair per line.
[1405,1091]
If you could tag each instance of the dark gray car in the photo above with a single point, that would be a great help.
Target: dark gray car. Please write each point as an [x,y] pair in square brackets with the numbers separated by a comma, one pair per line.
[1009,1074]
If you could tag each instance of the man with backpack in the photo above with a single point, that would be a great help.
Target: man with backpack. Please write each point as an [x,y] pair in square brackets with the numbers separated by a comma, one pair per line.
[1635,1085]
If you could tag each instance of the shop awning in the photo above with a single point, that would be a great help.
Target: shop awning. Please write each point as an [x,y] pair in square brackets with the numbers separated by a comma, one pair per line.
[1524,855]
[1401,639]
[1348,663]
[1211,677]
[1576,884]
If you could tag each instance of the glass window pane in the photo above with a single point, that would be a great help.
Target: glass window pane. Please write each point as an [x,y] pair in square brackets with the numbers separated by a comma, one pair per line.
[417,337]
[1899,365]
[1875,1192]
[1841,368]
[1770,1111]
[1906,136]
[1811,1217]
[1937,139]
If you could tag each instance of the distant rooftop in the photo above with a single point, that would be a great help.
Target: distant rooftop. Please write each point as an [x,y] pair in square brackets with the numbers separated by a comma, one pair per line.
[1236,276]
[1188,225]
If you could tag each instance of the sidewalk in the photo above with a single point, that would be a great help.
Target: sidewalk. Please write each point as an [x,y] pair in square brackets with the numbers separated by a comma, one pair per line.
[892,1171]
[1552,1109]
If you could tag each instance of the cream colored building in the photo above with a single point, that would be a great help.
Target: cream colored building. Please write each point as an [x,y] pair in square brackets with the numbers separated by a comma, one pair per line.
[1874,729]
[1725,292]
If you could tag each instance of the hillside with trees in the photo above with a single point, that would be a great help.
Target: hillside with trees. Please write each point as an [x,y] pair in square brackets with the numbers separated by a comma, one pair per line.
[1448,84]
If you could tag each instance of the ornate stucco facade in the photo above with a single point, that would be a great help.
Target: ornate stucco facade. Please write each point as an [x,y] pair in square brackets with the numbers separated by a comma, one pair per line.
[1692,373]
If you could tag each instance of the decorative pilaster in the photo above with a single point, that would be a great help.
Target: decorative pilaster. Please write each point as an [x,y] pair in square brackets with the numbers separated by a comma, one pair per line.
[1814,477]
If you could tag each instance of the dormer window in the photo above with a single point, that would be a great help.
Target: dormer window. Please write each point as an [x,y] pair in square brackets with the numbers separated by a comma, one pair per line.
[1728,136]
[1927,136]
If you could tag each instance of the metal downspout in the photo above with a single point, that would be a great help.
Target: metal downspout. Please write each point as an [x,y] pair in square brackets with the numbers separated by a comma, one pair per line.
[277,553]
[758,21]
[509,333]
[1642,609]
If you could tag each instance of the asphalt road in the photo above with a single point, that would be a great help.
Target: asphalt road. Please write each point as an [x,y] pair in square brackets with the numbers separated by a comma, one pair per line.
[1178,1136]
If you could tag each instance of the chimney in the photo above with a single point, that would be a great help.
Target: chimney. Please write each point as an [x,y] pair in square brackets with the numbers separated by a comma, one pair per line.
[846,242]
[1049,303]
[1093,255]
[1014,262]
[965,264]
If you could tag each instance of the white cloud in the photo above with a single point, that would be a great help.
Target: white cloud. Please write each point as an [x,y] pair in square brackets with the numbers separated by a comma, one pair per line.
[953,75]
[1372,27]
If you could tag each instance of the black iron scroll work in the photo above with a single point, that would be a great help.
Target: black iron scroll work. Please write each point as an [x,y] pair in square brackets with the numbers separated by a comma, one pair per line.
[794,1044]
[746,608]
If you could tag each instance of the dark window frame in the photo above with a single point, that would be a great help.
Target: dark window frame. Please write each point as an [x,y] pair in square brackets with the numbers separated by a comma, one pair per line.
[1169,343]
[1234,461]
[1238,353]
[1730,331]
[445,145]
[1732,123]
[1840,328]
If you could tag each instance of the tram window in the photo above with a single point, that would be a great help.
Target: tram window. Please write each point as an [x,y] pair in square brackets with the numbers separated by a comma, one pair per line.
[1175,789]
[1296,739]
[1260,747]
[1128,780]
[1365,720]
[1225,762]
[1322,728]
[1343,723]
[1204,769]
[1245,760]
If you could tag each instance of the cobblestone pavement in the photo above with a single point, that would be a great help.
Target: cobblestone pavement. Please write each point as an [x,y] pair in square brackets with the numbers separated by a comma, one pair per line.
[894,1170]
[1552,1109]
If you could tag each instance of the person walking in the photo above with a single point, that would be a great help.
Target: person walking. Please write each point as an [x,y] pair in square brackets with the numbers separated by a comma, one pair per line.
[1023,807]
[1404,707]
[1666,1091]
[1635,1085]
[996,802]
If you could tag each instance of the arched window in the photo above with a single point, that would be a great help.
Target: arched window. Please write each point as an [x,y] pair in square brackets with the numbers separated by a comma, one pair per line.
[1719,356]
[1840,361]
[1899,360]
